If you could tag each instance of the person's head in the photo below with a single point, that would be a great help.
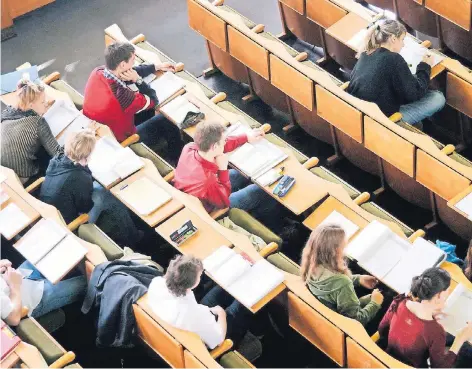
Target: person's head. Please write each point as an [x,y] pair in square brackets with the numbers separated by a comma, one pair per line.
[386,33]
[183,274]
[325,248]
[31,96]
[431,287]
[210,138]
[468,263]
[79,146]
[119,57]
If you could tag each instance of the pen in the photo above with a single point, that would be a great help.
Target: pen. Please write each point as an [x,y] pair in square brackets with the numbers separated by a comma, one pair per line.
[122,188]
[281,170]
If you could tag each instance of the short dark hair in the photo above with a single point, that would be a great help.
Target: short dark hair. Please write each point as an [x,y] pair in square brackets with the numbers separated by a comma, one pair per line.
[182,274]
[117,53]
[207,134]
[431,282]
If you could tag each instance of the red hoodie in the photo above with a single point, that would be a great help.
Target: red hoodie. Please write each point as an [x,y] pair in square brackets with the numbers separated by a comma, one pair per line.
[201,178]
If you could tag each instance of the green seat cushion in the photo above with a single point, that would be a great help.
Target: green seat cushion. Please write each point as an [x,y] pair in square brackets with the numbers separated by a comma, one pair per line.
[75,96]
[329,176]
[226,105]
[460,159]
[252,225]
[91,233]
[247,22]
[53,320]
[276,140]
[29,332]
[282,262]
[233,360]
[411,128]
[376,210]
[271,37]
[162,166]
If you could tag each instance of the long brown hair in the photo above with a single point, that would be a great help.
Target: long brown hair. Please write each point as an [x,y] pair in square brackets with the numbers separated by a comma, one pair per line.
[380,32]
[323,248]
[468,263]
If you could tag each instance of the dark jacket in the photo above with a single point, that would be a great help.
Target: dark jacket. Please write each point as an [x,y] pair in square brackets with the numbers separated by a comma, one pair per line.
[68,187]
[384,78]
[113,288]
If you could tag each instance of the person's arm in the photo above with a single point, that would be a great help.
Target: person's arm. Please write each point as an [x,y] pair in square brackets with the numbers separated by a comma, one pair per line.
[14,280]
[47,139]
[83,193]
[410,87]
[439,355]
[233,142]
[218,189]
[384,326]
[134,102]
[145,70]
[210,328]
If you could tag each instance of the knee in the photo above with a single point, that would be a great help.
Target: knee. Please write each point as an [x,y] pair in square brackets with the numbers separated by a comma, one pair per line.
[438,100]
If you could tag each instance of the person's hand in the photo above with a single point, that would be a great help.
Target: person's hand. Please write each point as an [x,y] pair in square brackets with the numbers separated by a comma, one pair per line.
[13,278]
[368,281]
[428,59]
[166,67]
[4,265]
[222,161]
[377,296]
[255,135]
[466,332]
[129,75]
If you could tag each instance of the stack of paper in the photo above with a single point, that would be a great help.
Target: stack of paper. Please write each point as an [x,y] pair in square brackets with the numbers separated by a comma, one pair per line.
[12,221]
[257,158]
[413,53]
[60,115]
[335,218]
[144,196]
[458,310]
[465,205]
[178,108]
[166,86]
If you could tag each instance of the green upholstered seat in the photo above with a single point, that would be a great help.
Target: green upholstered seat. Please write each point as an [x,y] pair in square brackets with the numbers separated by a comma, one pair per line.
[271,37]
[282,262]
[226,105]
[376,210]
[252,225]
[325,174]
[75,96]
[144,151]
[233,359]
[276,140]
[53,320]
[460,159]
[411,128]
[29,332]
[91,233]
[247,22]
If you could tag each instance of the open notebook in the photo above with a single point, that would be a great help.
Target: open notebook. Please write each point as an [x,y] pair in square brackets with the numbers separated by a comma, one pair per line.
[248,282]
[392,259]
[257,158]
[178,108]
[458,310]
[52,249]
[465,205]
[166,86]
[12,220]
[144,196]
[336,218]
[110,161]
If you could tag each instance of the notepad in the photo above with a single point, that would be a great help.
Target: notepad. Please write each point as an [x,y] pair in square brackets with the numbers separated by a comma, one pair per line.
[465,205]
[458,310]
[248,282]
[60,115]
[166,86]
[257,158]
[12,220]
[413,53]
[336,218]
[178,108]
[144,196]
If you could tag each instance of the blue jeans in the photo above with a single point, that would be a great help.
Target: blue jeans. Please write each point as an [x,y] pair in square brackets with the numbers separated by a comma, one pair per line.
[425,107]
[56,295]
[112,216]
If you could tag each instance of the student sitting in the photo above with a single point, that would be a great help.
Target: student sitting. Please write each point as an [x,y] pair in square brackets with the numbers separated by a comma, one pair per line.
[203,172]
[108,98]
[217,316]
[327,276]
[35,292]
[70,188]
[24,131]
[382,76]
[414,334]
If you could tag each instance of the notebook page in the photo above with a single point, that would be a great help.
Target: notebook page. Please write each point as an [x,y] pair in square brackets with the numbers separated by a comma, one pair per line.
[12,220]
[40,240]
[336,218]
[61,259]
[413,53]
[80,123]
[127,162]
[256,283]
[458,310]
[465,204]
[166,86]
[60,115]
[103,159]
[178,108]
[217,258]
[231,270]
[374,234]
[144,196]
[421,256]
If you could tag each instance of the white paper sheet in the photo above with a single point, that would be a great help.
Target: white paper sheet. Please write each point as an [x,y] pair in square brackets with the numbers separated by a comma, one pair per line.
[217,258]
[413,53]
[465,204]
[336,218]
[166,85]
[458,310]
[80,123]
[178,108]
[374,234]
[231,270]
[12,220]
[4,196]
[60,115]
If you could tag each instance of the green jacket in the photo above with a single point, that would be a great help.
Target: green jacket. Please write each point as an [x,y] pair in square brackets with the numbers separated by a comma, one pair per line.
[336,291]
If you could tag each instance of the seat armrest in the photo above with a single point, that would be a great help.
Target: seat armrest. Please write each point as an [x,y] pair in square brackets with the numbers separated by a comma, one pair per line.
[81,219]
[221,349]
[266,127]
[54,76]
[179,67]
[34,186]
[169,177]
[396,117]
[375,337]
[130,140]
[269,249]
[220,213]
[65,359]
[448,149]
[137,39]
[311,163]
[362,198]
[219,97]
[417,234]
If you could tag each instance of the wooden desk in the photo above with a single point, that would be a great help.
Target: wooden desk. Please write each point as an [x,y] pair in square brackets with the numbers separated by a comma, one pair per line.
[162,213]
[452,203]
[456,11]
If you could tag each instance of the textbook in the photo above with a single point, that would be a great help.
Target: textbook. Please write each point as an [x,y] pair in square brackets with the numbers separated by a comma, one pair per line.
[465,205]
[392,259]
[110,161]
[336,218]
[8,342]
[247,281]
[257,158]
[144,196]
[60,115]
[413,53]
[178,108]
[458,310]
[166,86]
[52,249]
[12,220]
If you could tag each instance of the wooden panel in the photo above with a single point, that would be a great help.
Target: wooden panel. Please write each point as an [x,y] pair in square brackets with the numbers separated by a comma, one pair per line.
[248,52]
[191,361]
[207,24]
[389,146]
[292,82]
[457,11]
[339,113]
[20,7]
[297,5]
[439,178]
[158,339]
[459,94]
[358,357]
[316,329]
[347,27]
[324,12]
[7,19]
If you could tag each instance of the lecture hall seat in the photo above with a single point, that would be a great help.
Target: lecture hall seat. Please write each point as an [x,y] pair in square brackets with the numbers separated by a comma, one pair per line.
[417,17]
[456,39]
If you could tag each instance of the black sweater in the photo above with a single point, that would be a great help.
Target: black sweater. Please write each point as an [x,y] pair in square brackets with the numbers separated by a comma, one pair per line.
[384,78]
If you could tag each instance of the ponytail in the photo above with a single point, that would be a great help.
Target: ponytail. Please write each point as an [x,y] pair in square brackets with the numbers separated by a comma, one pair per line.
[28,92]
[429,284]
[380,32]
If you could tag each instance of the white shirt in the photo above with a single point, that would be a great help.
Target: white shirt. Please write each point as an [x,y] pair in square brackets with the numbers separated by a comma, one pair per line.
[184,313]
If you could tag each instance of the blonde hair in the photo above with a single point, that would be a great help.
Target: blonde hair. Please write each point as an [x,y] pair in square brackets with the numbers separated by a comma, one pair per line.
[323,248]
[79,145]
[380,32]
[28,92]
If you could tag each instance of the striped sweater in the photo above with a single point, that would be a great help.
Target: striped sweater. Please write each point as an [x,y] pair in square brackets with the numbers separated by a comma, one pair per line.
[22,135]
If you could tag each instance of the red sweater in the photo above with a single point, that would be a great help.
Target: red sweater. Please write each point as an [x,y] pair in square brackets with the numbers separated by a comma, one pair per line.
[201,178]
[112,104]
[413,340]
